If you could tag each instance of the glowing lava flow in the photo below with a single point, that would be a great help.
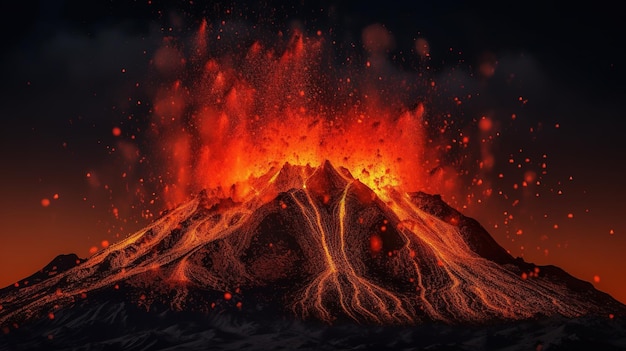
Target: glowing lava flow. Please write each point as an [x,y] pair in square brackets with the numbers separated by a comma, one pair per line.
[340,282]
[464,285]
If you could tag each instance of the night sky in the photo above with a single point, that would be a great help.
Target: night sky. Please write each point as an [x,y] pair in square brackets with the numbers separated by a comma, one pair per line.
[78,84]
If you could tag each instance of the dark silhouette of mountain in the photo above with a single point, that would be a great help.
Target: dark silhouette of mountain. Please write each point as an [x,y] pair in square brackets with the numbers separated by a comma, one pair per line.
[311,258]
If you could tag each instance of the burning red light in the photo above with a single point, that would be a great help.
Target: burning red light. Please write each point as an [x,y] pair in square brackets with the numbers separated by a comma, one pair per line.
[222,119]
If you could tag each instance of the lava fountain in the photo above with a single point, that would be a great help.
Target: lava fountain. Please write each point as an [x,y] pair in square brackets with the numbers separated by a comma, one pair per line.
[220,120]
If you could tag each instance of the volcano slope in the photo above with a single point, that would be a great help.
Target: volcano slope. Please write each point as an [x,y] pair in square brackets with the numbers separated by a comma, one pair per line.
[311,259]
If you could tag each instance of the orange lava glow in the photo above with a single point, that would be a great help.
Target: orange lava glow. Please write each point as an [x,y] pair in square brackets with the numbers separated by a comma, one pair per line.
[219,121]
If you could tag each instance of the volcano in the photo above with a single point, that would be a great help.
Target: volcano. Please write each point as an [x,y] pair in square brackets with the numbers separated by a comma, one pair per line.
[304,245]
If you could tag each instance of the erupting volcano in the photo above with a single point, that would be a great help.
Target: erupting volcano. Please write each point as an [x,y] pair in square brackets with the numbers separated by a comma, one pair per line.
[220,120]
[300,191]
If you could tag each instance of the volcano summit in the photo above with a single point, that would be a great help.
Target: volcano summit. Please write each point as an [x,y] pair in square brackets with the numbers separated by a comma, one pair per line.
[307,244]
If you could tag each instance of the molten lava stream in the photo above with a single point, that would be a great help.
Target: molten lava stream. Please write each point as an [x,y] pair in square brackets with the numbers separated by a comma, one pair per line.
[339,279]
[465,285]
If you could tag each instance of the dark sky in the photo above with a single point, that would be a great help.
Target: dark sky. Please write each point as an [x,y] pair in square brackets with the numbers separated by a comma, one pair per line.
[73,70]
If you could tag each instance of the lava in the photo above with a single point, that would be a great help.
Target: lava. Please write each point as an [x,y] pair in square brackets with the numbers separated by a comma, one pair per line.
[358,297]
[221,118]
